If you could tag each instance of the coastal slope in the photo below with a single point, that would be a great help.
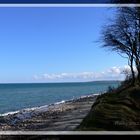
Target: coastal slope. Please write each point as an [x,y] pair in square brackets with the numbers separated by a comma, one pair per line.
[117,110]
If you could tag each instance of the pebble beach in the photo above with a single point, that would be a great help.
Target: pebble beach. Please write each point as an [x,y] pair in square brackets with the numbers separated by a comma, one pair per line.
[63,116]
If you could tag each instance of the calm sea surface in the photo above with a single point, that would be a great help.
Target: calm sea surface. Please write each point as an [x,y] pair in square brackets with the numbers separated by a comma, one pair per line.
[15,97]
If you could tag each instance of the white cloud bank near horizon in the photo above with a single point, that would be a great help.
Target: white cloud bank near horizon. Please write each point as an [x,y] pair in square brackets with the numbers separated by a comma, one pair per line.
[113,73]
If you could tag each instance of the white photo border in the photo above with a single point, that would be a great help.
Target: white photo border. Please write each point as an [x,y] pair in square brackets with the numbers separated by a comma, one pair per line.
[68,132]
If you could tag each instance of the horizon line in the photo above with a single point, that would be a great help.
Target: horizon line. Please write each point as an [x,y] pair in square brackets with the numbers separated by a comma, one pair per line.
[58,82]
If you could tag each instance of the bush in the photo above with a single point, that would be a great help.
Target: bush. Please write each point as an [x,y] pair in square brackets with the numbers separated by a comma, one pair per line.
[110,89]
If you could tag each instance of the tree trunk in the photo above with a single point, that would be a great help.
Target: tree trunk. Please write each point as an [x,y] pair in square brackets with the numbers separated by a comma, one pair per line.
[133,75]
[138,75]
[137,62]
[130,63]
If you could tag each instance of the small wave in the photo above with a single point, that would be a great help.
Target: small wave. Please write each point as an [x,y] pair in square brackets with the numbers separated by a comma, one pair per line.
[61,102]
[9,113]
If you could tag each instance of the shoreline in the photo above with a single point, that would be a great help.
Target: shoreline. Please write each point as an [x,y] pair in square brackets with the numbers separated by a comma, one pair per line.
[56,116]
[46,106]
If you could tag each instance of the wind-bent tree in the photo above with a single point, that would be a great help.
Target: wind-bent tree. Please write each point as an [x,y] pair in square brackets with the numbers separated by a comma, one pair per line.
[123,36]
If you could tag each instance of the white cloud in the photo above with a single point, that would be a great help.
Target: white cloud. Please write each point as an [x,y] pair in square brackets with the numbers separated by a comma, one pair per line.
[114,73]
[114,70]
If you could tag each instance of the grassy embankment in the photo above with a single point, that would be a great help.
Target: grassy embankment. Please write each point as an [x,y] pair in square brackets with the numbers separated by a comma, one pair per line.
[118,109]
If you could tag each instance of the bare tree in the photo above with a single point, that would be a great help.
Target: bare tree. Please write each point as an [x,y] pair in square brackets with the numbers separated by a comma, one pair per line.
[123,36]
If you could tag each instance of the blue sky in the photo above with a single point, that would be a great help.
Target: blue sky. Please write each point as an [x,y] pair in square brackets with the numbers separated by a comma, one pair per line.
[55,45]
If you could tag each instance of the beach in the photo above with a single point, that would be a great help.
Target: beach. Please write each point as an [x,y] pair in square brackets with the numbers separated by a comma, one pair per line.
[62,116]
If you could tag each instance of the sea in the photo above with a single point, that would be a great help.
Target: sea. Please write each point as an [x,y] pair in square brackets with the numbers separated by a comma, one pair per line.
[14,97]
